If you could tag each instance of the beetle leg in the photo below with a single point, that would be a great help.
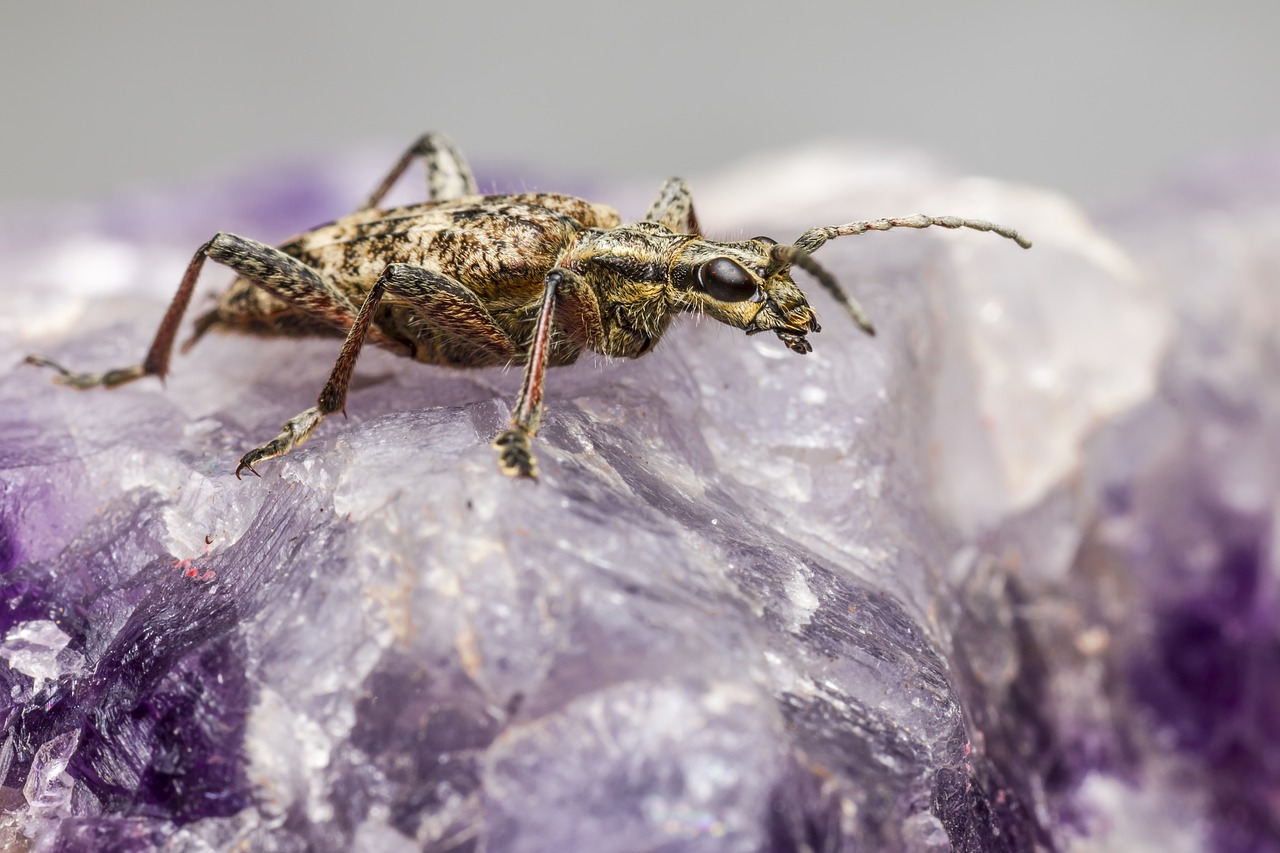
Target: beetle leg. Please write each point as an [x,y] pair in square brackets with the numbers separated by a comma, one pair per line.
[448,175]
[442,303]
[270,268]
[578,316]
[674,208]
[333,398]
[467,335]
[515,457]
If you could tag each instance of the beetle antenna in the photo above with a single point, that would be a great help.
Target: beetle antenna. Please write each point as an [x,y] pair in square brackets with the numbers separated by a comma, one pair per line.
[783,255]
[811,240]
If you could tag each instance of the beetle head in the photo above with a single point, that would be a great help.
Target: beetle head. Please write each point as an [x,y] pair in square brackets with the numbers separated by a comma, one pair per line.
[748,285]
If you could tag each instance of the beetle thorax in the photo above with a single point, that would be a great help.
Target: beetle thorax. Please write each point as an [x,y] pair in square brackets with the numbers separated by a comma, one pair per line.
[629,269]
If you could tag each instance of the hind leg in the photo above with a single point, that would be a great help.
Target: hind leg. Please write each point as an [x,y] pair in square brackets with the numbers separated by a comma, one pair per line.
[279,274]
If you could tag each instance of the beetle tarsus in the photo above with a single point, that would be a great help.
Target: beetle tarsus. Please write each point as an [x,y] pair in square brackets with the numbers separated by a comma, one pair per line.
[84,381]
[515,457]
[294,432]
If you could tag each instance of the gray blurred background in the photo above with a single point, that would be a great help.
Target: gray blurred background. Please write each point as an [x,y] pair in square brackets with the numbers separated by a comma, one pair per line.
[1099,99]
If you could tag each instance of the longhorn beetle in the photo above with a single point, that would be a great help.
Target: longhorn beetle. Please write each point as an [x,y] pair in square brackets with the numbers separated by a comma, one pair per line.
[471,280]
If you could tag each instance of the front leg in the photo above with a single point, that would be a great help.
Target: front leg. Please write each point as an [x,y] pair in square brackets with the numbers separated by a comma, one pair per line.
[515,457]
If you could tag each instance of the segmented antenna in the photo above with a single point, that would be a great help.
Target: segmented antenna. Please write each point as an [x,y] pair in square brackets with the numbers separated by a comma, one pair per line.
[811,240]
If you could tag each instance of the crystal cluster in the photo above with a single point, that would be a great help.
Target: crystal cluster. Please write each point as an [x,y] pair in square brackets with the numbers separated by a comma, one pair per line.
[1001,578]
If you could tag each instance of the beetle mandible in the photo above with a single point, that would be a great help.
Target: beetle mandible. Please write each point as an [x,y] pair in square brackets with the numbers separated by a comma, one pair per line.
[472,280]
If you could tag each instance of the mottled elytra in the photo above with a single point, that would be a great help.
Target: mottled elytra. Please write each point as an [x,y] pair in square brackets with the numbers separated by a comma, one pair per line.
[470,280]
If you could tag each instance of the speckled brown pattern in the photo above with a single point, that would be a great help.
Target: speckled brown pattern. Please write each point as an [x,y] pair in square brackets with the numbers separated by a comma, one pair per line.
[470,280]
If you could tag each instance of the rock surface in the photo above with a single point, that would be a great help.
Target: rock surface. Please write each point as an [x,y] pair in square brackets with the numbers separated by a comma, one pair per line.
[1001,578]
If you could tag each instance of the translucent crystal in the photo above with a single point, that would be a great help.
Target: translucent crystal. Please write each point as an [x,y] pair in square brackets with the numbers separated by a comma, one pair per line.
[946,587]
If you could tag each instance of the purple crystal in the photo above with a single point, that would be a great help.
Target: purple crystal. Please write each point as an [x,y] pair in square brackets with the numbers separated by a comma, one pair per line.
[1002,578]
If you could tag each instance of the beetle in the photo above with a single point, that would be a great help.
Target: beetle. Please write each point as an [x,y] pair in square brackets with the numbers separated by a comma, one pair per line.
[471,280]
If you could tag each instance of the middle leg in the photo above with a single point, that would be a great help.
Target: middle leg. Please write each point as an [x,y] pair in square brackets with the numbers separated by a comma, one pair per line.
[442,304]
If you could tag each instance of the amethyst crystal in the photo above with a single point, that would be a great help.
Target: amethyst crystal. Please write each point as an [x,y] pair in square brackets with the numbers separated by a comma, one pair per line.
[1001,578]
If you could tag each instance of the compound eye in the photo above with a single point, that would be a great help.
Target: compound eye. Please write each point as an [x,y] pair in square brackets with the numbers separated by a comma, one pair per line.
[725,280]
[768,241]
